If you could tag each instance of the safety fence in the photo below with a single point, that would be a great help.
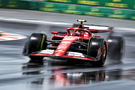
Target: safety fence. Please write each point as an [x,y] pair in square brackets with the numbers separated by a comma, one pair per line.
[126,4]
[69,8]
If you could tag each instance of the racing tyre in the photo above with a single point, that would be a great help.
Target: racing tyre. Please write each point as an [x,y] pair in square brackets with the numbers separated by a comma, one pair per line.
[36,42]
[97,49]
[115,47]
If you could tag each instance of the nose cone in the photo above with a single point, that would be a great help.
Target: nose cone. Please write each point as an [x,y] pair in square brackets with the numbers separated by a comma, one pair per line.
[64,45]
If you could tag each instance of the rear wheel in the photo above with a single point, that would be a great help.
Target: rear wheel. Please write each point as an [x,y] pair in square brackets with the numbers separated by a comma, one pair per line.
[36,42]
[97,48]
[116,47]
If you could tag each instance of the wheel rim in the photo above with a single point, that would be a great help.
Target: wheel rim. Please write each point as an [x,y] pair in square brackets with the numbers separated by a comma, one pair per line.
[99,54]
[104,52]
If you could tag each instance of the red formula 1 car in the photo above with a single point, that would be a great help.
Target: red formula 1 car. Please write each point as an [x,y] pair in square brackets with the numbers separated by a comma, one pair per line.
[77,43]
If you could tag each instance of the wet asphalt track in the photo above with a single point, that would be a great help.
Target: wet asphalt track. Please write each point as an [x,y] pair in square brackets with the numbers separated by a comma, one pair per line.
[17,72]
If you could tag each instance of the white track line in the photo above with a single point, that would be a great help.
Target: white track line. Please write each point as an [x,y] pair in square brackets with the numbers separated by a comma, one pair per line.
[54,23]
[126,29]
[32,21]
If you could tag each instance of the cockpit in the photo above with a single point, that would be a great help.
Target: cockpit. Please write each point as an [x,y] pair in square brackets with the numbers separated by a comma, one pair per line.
[78,32]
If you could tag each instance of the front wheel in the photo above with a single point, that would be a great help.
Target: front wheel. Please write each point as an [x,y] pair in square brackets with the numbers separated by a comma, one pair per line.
[36,58]
[35,43]
[97,48]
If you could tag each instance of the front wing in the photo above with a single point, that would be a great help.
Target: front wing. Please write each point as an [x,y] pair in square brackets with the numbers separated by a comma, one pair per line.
[70,55]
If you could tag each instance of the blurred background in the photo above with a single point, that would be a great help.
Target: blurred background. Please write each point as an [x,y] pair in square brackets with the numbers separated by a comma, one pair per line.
[24,17]
[123,9]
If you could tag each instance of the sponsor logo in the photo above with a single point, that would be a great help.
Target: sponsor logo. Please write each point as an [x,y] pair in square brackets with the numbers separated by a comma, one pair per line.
[75,54]
[47,51]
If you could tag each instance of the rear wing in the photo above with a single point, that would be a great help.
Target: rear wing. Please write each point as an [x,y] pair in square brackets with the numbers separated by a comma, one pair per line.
[96,28]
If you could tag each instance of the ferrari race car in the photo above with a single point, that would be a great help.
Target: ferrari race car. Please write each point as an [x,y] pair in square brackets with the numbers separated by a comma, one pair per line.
[81,42]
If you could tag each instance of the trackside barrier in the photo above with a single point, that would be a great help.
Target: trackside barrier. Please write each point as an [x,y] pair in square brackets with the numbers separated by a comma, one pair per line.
[69,8]
[17,4]
[87,10]
[8,3]
[126,4]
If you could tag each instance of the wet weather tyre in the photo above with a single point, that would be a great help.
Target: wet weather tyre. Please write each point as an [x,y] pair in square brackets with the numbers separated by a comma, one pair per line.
[36,42]
[115,47]
[97,49]
[36,58]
